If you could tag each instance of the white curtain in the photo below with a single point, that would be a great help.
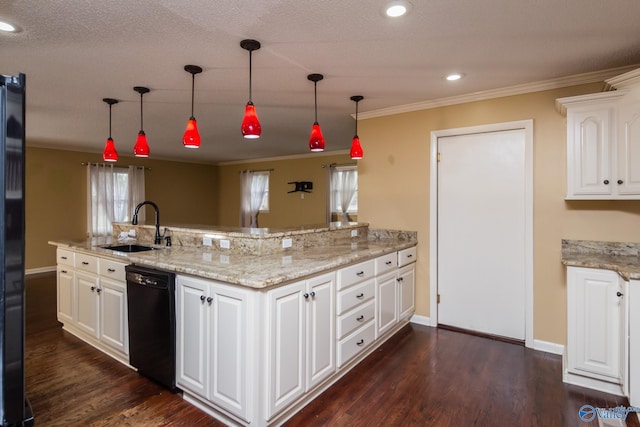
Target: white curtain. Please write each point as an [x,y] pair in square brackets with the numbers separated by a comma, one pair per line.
[344,184]
[112,193]
[253,189]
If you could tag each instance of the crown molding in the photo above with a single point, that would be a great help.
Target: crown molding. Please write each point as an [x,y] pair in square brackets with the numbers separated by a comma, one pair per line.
[578,79]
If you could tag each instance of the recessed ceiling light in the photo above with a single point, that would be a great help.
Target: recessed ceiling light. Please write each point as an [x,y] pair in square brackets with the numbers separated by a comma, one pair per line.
[454,76]
[398,8]
[8,28]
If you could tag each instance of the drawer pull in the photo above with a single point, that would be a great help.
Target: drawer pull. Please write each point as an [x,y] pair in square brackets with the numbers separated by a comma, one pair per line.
[360,296]
[360,319]
[606,182]
[85,263]
[410,256]
[619,294]
[63,257]
[63,271]
[360,273]
[388,262]
[360,343]
[202,298]
[111,270]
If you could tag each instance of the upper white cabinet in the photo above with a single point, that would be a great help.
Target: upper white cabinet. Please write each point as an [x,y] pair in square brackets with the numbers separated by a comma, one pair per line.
[603,142]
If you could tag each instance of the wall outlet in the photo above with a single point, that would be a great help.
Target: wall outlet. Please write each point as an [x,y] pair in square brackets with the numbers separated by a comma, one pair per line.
[206,241]
[225,244]
[132,233]
[286,243]
[206,256]
[224,259]
[354,233]
[286,260]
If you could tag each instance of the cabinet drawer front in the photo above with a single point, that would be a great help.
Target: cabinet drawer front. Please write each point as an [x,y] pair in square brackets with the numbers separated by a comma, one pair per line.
[112,269]
[65,257]
[355,296]
[406,256]
[87,263]
[355,273]
[354,344]
[386,263]
[350,322]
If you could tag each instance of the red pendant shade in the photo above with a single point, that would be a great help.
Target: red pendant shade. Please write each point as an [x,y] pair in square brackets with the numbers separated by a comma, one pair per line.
[251,128]
[110,154]
[356,148]
[141,148]
[316,141]
[191,137]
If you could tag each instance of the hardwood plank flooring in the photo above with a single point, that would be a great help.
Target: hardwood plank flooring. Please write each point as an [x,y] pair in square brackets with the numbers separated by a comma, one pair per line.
[421,377]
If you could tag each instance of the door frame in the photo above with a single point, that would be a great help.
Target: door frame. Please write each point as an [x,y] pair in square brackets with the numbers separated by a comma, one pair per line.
[527,126]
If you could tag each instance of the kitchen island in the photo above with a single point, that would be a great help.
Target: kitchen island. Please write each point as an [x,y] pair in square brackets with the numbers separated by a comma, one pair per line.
[266,319]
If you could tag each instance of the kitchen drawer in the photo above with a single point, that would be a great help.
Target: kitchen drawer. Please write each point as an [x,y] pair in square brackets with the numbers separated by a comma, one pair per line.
[386,263]
[355,273]
[112,269]
[65,257]
[355,296]
[349,322]
[406,256]
[87,263]
[355,343]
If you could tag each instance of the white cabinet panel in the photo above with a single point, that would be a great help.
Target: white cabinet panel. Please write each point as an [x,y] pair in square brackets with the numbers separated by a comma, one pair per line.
[353,274]
[349,322]
[66,293]
[355,343]
[406,289]
[321,317]
[87,303]
[628,148]
[355,296]
[386,303]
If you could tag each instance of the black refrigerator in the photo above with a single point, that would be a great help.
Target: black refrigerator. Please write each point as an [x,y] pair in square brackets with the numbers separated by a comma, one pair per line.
[14,407]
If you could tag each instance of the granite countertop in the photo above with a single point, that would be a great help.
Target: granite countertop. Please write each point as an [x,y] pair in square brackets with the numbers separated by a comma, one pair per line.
[255,271]
[620,257]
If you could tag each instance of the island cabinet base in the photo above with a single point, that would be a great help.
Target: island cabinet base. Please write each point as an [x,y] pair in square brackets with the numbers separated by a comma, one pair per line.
[255,357]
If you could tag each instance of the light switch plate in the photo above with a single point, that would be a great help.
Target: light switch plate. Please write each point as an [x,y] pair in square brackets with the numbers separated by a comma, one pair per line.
[354,233]
[206,241]
[225,244]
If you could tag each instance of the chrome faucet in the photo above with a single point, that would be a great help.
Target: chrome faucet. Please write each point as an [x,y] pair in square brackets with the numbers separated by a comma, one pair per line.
[134,221]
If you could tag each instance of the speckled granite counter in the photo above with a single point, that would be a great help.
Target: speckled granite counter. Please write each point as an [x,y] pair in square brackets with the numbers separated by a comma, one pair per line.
[620,257]
[255,271]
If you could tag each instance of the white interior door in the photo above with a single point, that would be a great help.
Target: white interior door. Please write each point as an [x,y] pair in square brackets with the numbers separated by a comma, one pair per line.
[481,232]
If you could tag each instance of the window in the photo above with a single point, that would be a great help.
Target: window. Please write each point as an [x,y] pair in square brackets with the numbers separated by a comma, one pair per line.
[344,191]
[254,196]
[113,193]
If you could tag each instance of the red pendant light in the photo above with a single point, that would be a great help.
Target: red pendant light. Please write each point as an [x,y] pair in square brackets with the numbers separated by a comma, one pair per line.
[356,148]
[316,141]
[250,128]
[141,148]
[110,154]
[191,137]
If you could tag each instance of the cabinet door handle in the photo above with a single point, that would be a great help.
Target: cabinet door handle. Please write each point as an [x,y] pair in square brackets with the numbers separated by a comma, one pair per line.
[98,290]
[63,271]
[360,296]
[209,299]
[410,256]
[619,294]
[313,294]
[360,343]
[360,273]
[620,182]
[85,263]
[606,182]
[93,288]
[360,319]
[202,298]
[111,270]
[306,296]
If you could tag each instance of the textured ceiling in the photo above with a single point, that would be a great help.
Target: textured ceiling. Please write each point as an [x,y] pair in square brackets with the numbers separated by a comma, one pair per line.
[76,52]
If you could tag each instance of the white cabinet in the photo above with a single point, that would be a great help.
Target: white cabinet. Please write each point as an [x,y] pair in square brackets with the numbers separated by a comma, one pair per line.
[386,302]
[406,288]
[596,322]
[603,143]
[301,339]
[212,343]
[92,301]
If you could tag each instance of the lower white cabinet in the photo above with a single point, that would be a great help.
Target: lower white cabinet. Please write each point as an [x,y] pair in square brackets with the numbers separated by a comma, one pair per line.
[93,305]
[597,329]
[211,342]
[386,302]
[301,339]
[406,291]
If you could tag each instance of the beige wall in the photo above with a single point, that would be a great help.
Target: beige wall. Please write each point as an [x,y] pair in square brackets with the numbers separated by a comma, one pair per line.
[56,197]
[394,191]
[285,209]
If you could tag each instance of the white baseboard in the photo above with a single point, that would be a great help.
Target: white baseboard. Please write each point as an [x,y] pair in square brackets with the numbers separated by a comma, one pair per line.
[39,270]
[548,347]
[420,320]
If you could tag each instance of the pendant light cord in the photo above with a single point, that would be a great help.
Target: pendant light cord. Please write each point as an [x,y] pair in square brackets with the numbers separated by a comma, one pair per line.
[356,118]
[250,76]
[193,87]
[315,98]
[141,116]
[110,121]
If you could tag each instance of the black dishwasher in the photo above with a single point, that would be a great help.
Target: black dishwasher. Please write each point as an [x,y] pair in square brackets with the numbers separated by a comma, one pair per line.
[152,326]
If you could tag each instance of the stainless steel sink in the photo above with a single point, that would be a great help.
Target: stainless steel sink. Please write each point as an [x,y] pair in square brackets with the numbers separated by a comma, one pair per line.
[130,248]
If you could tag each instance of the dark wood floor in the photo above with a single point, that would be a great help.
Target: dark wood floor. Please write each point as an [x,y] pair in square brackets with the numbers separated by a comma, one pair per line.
[421,377]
